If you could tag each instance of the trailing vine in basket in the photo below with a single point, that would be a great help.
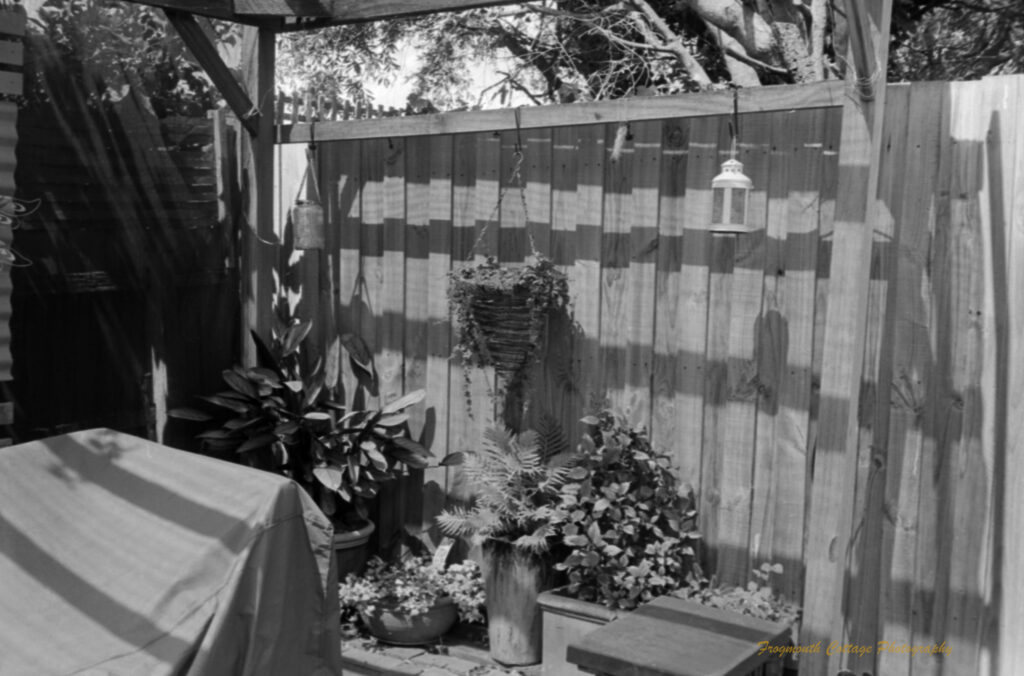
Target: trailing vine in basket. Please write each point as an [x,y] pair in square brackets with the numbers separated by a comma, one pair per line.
[500,311]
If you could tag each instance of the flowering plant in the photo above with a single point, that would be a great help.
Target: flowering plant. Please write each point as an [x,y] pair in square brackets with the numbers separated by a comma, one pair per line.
[414,586]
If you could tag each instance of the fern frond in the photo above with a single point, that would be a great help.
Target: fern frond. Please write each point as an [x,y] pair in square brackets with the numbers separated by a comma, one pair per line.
[551,437]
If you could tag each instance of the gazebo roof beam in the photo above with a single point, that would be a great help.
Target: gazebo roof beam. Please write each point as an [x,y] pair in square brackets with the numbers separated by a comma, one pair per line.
[292,15]
[356,11]
[206,54]
[215,9]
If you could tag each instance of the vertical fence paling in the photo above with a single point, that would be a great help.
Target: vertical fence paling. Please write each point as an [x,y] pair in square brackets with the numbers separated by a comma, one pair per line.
[717,344]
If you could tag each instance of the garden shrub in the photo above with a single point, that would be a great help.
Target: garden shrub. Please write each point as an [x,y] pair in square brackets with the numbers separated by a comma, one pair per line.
[628,521]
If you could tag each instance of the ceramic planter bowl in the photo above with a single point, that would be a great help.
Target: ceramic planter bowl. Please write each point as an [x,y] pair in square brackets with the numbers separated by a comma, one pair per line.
[392,625]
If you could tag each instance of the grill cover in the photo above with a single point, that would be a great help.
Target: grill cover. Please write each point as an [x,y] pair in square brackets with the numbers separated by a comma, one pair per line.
[122,556]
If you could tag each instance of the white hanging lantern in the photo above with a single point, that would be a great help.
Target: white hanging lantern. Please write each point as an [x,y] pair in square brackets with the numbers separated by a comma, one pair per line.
[730,197]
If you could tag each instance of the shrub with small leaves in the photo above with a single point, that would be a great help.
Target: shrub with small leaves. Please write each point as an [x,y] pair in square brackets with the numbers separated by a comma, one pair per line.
[628,522]
[756,599]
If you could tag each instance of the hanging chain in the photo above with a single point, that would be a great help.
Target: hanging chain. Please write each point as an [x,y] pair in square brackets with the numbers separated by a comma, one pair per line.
[516,178]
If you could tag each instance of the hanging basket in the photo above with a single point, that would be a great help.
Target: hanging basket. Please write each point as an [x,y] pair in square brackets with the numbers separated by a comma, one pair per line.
[501,310]
[509,328]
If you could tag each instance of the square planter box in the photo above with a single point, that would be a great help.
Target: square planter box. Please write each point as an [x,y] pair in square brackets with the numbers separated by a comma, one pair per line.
[674,637]
[566,620]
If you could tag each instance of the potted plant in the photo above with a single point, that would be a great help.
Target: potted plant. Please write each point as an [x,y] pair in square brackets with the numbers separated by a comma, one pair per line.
[277,418]
[629,528]
[516,480]
[414,601]
[757,599]
[500,313]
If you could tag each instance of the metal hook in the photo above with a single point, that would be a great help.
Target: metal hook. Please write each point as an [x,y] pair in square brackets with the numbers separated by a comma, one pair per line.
[735,118]
[517,111]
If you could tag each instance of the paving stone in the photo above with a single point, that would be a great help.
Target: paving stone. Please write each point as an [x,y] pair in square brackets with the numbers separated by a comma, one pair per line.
[436,671]
[452,663]
[404,652]
[370,658]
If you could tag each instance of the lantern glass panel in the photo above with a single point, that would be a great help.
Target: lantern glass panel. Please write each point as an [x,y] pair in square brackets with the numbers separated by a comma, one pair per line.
[717,205]
[738,215]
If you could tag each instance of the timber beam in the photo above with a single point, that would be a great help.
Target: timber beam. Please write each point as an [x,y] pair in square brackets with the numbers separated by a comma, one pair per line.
[831,536]
[862,48]
[206,54]
[355,11]
[292,15]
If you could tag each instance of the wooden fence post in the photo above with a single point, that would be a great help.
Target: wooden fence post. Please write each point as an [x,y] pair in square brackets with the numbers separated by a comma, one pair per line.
[833,487]
[258,256]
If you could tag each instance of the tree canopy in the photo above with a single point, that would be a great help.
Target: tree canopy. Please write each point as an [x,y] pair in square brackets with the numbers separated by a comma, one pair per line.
[550,50]
[564,50]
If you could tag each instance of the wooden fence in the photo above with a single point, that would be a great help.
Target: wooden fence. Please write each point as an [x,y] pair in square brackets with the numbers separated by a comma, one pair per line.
[130,304]
[12,55]
[715,343]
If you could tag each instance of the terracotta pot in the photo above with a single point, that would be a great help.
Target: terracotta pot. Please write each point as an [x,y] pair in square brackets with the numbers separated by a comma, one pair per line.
[513,579]
[392,625]
[351,549]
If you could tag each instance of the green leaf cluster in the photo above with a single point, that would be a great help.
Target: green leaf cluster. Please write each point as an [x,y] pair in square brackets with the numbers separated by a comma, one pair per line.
[516,485]
[275,418]
[629,526]
[755,599]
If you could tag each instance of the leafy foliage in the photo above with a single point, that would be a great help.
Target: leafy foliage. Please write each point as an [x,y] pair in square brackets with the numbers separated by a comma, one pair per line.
[276,418]
[342,60]
[956,40]
[552,51]
[515,491]
[413,586]
[112,47]
[756,599]
[630,527]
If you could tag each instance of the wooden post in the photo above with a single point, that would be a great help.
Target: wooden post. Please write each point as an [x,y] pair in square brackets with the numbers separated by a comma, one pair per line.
[833,486]
[258,250]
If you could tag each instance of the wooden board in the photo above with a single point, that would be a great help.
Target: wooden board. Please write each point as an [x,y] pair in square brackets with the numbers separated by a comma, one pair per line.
[754,99]
[343,181]
[832,492]
[474,235]
[743,385]
[417,317]
[673,637]
[865,559]
[586,274]
[627,279]
[670,322]
[1012,517]
[977,349]
[561,366]
[911,445]
[721,259]
[439,395]
[258,259]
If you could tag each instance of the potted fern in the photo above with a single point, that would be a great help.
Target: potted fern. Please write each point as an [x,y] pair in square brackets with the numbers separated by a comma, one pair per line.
[516,481]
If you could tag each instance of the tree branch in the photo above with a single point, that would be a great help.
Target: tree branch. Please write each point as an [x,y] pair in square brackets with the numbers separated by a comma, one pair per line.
[670,42]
